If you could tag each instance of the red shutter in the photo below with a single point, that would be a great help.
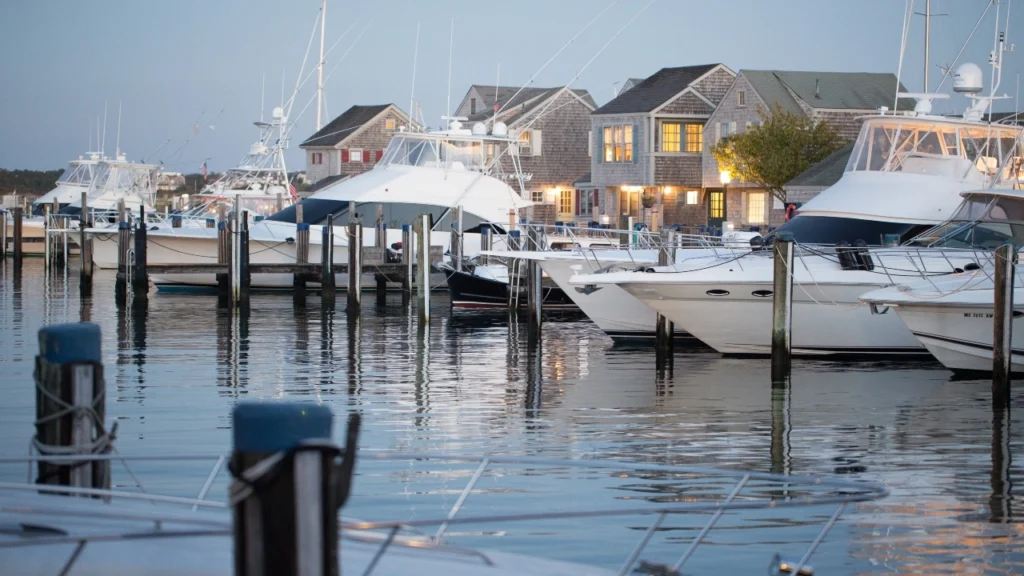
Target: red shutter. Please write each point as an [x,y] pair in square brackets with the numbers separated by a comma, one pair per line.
[344,156]
[366,156]
[578,196]
[378,155]
[597,199]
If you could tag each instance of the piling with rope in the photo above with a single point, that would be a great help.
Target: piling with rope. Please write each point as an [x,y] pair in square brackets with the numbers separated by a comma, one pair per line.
[70,407]
[1002,324]
[355,266]
[782,307]
[289,481]
[665,328]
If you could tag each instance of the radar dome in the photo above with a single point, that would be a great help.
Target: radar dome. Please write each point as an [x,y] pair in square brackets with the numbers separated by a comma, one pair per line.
[500,129]
[479,129]
[968,79]
[278,113]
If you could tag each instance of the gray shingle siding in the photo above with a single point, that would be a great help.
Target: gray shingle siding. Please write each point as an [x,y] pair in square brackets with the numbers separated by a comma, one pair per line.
[636,173]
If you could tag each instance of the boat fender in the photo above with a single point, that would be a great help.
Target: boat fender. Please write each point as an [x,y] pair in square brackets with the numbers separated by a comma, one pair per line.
[757,242]
[790,212]
[290,240]
[847,261]
[647,269]
[971,266]
[864,260]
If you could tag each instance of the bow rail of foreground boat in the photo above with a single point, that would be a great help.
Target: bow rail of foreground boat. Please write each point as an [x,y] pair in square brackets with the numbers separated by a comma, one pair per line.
[719,491]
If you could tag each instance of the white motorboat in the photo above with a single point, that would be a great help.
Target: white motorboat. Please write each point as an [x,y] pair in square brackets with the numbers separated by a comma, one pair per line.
[420,173]
[904,176]
[952,316]
[77,178]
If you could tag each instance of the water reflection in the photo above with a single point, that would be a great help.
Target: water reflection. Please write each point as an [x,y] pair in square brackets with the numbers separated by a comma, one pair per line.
[1000,501]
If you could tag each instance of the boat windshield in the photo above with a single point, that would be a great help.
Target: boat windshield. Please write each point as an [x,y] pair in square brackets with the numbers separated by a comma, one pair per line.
[828,230]
[137,179]
[77,174]
[931,146]
[316,210]
[981,222]
[432,151]
[207,206]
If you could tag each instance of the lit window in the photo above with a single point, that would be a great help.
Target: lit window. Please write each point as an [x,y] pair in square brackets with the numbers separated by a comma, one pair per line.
[716,205]
[618,143]
[608,143]
[525,147]
[355,155]
[629,143]
[691,196]
[619,139]
[389,124]
[741,98]
[565,202]
[694,138]
[755,208]
[670,137]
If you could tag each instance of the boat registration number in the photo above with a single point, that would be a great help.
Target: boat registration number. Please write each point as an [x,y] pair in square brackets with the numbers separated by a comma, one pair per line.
[977,314]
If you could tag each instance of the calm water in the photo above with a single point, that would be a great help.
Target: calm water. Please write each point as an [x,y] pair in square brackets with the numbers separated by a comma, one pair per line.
[468,385]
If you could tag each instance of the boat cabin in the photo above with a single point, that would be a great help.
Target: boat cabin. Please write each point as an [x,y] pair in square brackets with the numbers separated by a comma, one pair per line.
[986,219]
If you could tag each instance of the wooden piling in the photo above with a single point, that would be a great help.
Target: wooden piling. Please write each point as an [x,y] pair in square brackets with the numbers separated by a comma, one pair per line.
[408,253]
[534,288]
[664,328]
[280,202]
[486,240]
[301,253]
[18,213]
[124,238]
[290,524]
[224,258]
[47,242]
[782,307]
[70,406]
[423,267]
[355,266]
[457,249]
[1002,324]
[3,235]
[85,249]
[380,229]
[140,277]
[328,288]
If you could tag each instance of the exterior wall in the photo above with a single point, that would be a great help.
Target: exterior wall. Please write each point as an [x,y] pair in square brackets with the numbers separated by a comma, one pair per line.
[618,173]
[677,211]
[317,172]
[728,110]
[678,170]
[846,122]
[373,137]
[687,103]
[464,108]
[715,85]
[564,129]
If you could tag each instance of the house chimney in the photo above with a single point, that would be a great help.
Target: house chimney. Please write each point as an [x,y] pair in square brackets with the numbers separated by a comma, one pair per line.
[817,89]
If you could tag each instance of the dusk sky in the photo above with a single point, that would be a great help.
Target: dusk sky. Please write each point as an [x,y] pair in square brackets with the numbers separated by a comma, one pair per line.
[175,64]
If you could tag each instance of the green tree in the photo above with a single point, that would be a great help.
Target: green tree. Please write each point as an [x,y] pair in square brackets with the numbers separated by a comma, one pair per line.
[779,149]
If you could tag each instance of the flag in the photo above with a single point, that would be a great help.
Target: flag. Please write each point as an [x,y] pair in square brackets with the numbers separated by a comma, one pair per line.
[495,106]
[291,190]
[203,170]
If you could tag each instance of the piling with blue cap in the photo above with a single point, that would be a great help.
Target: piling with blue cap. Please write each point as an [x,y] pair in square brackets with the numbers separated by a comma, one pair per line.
[70,405]
[284,511]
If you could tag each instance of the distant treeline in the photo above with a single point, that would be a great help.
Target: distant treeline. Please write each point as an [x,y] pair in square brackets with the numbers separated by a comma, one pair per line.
[28,182]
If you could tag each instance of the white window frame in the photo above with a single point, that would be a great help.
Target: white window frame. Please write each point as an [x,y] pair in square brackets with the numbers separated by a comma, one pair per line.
[355,155]
[692,197]
[525,150]
[741,98]
[389,124]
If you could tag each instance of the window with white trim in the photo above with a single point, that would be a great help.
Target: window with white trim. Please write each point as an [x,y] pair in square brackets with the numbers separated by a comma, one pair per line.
[525,143]
[355,155]
[692,197]
[741,98]
[618,143]
[389,124]
[317,158]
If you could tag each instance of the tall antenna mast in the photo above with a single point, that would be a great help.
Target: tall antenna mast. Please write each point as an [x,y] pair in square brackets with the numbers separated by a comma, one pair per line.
[412,92]
[320,69]
[90,125]
[117,148]
[497,83]
[263,92]
[451,42]
[103,143]
[927,39]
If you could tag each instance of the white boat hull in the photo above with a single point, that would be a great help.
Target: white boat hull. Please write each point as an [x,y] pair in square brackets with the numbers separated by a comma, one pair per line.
[960,337]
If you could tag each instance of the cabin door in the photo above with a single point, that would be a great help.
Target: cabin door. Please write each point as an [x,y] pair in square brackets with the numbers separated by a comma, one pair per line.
[716,208]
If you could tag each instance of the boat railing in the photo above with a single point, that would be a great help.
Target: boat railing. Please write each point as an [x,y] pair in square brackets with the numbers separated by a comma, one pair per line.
[708,491]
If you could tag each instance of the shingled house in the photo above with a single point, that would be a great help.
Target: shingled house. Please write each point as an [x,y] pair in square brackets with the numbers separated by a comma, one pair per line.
[841,98]
[351,143]
[553,126]
[648,142]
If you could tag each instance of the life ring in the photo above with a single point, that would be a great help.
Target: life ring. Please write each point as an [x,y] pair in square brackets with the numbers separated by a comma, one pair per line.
[790,210]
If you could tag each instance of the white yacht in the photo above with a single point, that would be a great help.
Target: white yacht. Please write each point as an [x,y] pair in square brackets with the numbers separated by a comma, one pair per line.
[77,178]
[430,172]
[905,175]
[952,315]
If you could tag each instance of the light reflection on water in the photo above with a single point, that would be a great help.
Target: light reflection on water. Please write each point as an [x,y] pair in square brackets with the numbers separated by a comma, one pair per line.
[470,384]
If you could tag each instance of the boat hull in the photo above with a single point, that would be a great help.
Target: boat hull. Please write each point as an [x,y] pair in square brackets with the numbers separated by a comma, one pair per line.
[469,291]
[960,337]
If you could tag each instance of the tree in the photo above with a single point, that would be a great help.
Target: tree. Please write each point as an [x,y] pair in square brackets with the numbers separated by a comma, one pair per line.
[779,149]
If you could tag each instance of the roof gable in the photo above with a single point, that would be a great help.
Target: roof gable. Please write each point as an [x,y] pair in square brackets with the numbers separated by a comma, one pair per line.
[504,96]
[826,90]
[522,108]
[655,90]
[345,125]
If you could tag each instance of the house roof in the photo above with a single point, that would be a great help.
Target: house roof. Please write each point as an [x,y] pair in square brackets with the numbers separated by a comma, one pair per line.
[343,126]
[828,90]
[826,171]
[655,90]
[538,96]
[585,179]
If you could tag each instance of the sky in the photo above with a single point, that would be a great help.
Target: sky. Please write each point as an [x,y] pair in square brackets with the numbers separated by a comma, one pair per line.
[175,65]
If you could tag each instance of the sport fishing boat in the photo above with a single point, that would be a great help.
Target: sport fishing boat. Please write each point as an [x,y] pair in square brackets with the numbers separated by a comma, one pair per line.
[431,173]
[952,316]
[904,176]
[77,178]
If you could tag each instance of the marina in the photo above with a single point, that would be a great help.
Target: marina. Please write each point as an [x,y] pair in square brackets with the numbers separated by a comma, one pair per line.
[726,320]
